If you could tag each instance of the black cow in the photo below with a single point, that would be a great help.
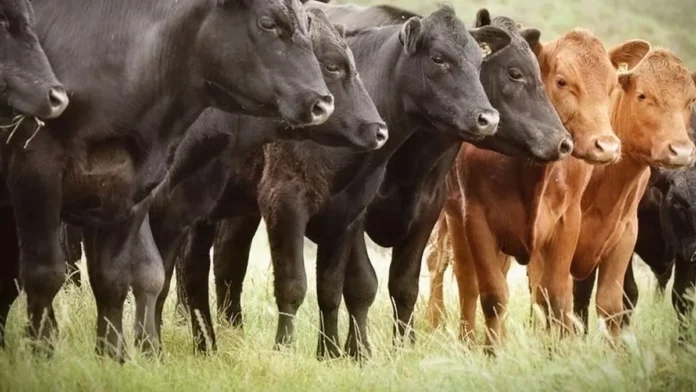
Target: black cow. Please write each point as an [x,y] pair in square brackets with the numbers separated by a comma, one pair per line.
[403,213]
[666,239]
[140,72]
[355,124]
[234,237]
[28,87]
[423,75]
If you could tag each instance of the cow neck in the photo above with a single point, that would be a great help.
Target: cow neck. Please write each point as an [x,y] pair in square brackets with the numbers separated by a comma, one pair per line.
[621,184]
[169,100]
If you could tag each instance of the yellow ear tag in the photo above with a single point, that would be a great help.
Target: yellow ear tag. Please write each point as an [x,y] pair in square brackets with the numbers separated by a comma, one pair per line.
[485,49]
[623,67]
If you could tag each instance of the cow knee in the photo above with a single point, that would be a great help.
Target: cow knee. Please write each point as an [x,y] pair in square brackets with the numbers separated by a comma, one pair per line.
[403,293]
[291,292]
[493,306]
[148,278]
[109,283]
[43,278]
[363,293]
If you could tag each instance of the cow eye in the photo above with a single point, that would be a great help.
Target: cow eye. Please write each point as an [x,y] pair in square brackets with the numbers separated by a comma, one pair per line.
[333,68]
[641,97]
[560,82]
[267,23]
[514,74]
[437,59]
[4,22]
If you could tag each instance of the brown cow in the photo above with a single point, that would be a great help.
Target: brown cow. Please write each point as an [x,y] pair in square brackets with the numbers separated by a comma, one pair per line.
[651,117]
[514,208]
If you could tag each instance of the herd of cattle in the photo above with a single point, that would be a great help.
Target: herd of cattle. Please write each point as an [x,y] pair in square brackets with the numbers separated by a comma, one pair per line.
[183,124]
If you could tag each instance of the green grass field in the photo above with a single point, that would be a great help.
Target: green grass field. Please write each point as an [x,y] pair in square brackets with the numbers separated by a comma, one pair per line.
[649,358]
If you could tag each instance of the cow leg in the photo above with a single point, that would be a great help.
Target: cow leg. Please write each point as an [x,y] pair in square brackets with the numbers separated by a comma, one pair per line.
[684,279]
[609,300]
[630,299]
[556,287]
[195,272]
[181,306]
[437,261]
[404,271]
[332,256]
[9,269]
[150,283]
[493,286]
[35,189]
[582,294]
[286,224]
[112,257]
[467,281]
[662,279]
[359,291]
[230,262]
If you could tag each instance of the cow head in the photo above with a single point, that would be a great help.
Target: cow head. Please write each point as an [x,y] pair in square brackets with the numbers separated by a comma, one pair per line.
[676,192]
[256,58]
[512,80]
[653,107]
[27,81]
[579,78]
[439,73]
[355,123]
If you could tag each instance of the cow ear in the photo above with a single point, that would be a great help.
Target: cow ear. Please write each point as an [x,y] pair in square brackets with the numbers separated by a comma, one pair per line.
[409,36]
[483,18]
[491,39]
[341,29]
[532,37]
[628,54]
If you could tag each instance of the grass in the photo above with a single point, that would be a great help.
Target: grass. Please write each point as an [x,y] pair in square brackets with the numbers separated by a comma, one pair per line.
[648,360]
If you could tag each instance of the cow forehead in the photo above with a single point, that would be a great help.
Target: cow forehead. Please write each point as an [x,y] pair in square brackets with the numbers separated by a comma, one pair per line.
[665,73]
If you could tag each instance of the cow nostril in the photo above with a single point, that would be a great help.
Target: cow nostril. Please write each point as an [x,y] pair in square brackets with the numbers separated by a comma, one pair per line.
[609,146]
[322,108]
[482,120]
[57,97]
[566,147]
[382,134]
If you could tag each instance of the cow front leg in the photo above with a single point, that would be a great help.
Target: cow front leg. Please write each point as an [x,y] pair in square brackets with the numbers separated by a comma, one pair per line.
[195,263]
[9,267]
[230,261]
[405,267]
[359,291]
[286,222]
[35,190]
[684,279]
[609,299]
[467,281]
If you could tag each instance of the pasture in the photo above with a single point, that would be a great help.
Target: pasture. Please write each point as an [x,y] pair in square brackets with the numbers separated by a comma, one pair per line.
[649,360]
[648,357]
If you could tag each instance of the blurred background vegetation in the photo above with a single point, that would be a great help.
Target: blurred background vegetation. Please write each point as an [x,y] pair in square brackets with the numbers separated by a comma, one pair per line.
[667,23]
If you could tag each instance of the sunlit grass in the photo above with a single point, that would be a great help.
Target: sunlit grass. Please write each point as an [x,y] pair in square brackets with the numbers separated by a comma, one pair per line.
[650,359]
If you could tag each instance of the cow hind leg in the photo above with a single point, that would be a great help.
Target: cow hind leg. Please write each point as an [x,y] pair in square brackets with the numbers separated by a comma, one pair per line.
[72,247]
[195,263]
[230,261]
[437,261]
